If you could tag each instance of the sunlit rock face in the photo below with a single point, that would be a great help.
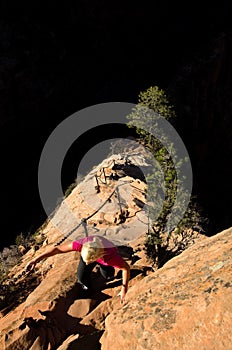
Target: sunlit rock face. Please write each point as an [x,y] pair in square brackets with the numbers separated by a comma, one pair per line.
[185,304]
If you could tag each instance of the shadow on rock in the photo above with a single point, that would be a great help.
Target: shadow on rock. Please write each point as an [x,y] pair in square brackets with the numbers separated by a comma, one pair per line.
[57,324]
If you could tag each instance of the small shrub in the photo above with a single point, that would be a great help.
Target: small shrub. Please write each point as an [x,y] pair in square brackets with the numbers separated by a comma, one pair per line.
[161,246]
[9,257]
[165,179]
[12,295]
[69,189]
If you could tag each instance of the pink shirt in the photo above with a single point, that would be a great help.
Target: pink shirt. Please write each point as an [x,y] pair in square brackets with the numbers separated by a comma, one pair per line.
[111,256]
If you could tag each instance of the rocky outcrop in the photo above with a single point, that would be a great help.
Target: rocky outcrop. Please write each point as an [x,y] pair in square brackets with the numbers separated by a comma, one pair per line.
[184,305]
[48,309]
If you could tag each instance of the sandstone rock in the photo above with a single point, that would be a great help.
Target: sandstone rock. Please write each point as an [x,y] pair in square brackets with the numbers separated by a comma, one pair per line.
[173,307]
[184,305]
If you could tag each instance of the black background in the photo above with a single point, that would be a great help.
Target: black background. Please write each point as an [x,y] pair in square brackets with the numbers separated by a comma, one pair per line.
[59,57]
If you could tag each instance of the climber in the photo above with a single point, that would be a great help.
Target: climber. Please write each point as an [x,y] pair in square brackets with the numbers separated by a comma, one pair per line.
[94,250]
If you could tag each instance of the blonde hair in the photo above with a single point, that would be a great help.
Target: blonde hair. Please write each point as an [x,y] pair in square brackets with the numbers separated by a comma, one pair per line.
[91,251]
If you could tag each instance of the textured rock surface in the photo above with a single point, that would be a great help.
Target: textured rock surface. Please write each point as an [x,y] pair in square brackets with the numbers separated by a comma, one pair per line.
[184,305]
[54,312]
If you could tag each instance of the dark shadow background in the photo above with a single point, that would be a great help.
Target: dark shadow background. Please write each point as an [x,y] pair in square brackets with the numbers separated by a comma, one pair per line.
[57,58]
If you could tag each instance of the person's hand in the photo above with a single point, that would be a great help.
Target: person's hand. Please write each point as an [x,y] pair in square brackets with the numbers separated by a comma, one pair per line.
[31,265]
[122,294]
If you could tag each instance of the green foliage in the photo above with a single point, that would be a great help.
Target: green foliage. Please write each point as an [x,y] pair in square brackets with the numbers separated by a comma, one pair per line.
[73,185]
[158,246]
[156,99]
[28,240]
[146,118]
[152,104]
[9,258]
[69,189]
[21,239]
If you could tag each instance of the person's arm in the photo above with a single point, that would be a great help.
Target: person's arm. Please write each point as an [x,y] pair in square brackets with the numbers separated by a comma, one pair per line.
[125,280]
[64,248]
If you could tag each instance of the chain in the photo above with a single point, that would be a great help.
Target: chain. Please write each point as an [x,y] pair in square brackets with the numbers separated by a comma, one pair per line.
[4,288]
[6,285]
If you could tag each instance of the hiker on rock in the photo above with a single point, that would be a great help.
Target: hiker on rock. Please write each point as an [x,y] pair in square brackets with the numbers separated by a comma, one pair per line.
[94,250]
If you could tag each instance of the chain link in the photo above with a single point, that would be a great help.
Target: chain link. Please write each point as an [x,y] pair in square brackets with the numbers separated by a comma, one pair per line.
[7,285]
